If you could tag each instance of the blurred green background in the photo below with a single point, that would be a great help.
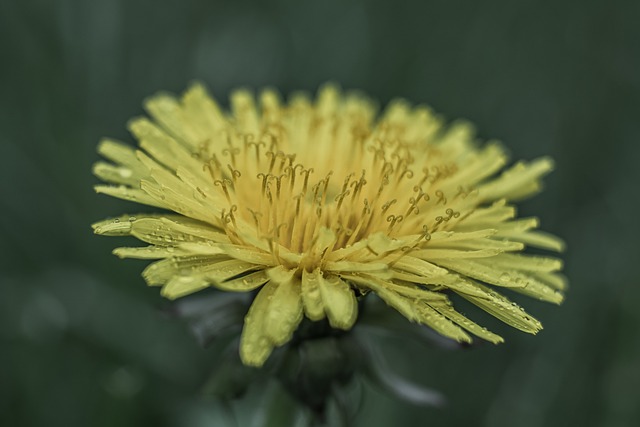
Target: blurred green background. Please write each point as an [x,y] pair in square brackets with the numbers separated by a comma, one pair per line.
[83,342]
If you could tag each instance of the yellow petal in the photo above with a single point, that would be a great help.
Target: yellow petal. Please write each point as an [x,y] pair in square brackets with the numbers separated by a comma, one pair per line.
[479,244]
[249,255]
[311,296]
[487,217]
[487,273]
[225,270]
[116,174]
[460,285]
[201,248]
[168,112]
[179,286]
[538,239]
[505,310]
[380,243]
[418,266]
[160,272]
[244,283]
[285,307]
[130,194]
[395,300]
[512,181]
[352,266]
[255,346]
[120,153]
[541,291]
[120,226]
[524,262]
[169,232]
[149,252]
[484,164]
[443,237]
[431,254]
[439,323]
[555,280]
[244,110]
[203,110]
[450,313]
[339,302]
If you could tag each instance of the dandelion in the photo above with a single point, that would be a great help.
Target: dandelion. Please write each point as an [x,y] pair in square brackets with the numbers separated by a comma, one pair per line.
[312,204]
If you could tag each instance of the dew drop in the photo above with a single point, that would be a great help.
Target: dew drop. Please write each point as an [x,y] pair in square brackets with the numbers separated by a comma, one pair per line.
[125,173]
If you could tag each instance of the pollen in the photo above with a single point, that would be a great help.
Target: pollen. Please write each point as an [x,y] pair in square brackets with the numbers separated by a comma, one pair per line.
[312,203]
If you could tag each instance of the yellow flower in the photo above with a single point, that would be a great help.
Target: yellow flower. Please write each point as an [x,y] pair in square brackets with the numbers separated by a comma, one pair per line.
[317,202]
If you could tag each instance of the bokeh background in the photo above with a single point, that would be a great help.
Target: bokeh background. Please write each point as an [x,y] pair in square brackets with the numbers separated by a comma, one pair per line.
[84,343]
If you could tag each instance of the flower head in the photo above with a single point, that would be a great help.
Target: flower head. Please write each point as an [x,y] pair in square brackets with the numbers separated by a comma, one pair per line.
[314,203]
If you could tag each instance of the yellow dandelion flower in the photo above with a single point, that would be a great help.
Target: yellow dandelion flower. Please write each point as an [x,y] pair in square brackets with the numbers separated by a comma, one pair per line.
[314,203]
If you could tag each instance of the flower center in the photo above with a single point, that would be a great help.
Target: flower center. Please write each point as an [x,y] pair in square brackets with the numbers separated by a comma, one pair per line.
[271,198]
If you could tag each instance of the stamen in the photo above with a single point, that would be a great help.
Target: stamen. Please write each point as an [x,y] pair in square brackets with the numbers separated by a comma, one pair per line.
[272,156]
[388,204]
[250,142]
[393,220]
[366,215]
[325,182]
[406,250]
[292,176]
[264,181]
[278,180]
[387,168]
[232,152]
[346,182]
[358,186]
[306,173]
[235,173]
[340,197]
[256,217]
[267,192]
[209,167]
[461,193]
[223,183]
[231,215]
[298,198]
